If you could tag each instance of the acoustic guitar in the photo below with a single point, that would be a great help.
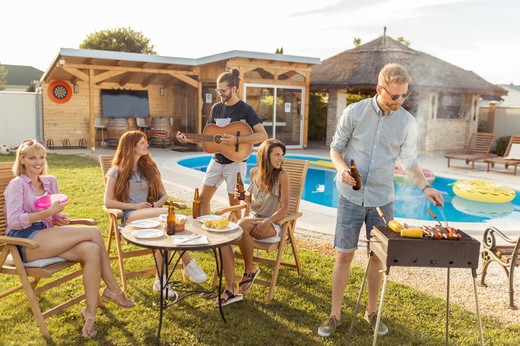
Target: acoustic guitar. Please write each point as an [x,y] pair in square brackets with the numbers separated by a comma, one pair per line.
[211,139]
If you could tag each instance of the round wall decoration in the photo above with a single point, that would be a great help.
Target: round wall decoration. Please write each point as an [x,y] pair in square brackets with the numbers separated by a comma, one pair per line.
[60,91]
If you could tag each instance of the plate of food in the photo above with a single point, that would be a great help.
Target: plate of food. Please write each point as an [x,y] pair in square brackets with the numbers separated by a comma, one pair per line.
[148,233]
[219,225]
[46,201]
[145,223]
[203,218]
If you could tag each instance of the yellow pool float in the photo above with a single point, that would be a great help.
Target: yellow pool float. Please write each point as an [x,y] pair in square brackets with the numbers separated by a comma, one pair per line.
[322,163]
[483,191]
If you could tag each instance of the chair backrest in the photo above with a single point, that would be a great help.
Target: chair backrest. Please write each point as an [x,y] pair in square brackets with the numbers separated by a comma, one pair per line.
[141,122]
[480,142]
[297,170]
[6,174]
[105,161]
[514,140]
[98,123]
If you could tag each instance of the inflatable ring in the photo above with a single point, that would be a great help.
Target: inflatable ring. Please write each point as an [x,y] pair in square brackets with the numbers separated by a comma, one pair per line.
[482,209]
[401,178]
[483,191]
[322,163]
[60,91]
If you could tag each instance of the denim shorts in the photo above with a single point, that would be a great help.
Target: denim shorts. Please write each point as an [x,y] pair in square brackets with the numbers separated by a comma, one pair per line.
[126,214]
[350,219]
[27,233]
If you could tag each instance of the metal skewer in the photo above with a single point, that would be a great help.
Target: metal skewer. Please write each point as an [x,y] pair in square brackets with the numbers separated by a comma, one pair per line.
[381,214]
[434,216]
[441,210]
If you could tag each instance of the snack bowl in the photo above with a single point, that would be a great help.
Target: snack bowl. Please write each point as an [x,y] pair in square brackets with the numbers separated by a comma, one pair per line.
[180,223]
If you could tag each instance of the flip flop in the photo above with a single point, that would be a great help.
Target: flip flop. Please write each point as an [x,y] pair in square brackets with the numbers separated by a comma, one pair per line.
[248,280]
[228,298]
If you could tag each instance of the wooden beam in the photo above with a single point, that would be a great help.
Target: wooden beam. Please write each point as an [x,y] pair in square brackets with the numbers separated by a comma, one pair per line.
[125,79]
[92,130]
[148,80]
[186,79]
[133,69]
[76,73]
[106,75]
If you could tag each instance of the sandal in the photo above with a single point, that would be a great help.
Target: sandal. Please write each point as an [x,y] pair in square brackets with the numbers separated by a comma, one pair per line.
[89,333]
[248,279]
[112,297]
[228,298]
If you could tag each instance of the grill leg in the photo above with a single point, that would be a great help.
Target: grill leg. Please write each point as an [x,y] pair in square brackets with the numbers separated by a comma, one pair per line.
[380,310]
[359,298]
[447,305]
[479,321]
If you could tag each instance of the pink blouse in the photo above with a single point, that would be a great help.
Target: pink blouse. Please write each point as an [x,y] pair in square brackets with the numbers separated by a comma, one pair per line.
[19,201]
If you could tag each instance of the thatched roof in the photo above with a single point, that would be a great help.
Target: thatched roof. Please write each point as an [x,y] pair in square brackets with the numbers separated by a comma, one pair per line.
[357,70]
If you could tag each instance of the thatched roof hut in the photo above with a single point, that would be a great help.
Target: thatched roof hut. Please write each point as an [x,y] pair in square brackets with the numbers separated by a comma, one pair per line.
[441,91]
[357,69]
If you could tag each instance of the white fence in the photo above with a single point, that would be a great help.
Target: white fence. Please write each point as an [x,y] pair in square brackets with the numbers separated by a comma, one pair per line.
[19,117]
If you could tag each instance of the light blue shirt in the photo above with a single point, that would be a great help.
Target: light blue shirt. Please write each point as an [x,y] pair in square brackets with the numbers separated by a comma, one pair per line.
[374,142]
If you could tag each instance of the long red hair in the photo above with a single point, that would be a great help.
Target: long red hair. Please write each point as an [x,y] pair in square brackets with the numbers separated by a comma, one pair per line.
[124,160]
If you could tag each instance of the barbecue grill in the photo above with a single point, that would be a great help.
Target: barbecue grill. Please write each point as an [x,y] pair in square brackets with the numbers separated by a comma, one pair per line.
[394,250]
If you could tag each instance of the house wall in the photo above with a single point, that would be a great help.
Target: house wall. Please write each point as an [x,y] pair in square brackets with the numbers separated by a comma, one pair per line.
[505,121]
[70,121]
[19,117]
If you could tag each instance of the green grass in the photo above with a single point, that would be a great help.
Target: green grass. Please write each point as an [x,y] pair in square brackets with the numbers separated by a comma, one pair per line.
[291,318]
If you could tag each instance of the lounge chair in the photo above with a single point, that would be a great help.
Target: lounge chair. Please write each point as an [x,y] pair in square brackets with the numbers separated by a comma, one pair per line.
[511,155]
[507,256]
[477,149]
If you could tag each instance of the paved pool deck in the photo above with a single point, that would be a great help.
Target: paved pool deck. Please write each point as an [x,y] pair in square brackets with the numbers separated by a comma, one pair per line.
[316,218]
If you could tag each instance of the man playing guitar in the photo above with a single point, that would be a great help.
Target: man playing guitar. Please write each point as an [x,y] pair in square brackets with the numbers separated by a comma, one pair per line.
[228,110]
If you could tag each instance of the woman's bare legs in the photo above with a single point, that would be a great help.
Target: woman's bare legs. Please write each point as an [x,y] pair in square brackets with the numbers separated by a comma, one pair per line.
[228,268]
[69,237]
[246,242]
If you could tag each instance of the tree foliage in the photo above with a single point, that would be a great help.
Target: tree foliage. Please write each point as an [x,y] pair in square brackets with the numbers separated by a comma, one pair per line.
[3,77]
[279,51]
[317,117]
[404,41]
[357,41]
[119,40]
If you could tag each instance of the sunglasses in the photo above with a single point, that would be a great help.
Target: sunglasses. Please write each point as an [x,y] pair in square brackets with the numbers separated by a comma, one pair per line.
[221,91]
[396,97]
[29,142]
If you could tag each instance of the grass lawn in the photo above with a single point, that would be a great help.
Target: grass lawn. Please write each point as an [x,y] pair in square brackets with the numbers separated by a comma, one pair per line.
[291,318]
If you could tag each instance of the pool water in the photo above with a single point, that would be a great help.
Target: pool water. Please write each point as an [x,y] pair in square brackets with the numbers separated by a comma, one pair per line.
[410,202]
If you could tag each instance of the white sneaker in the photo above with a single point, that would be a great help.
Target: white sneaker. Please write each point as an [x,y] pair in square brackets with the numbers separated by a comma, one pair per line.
[157,287]
[194,273]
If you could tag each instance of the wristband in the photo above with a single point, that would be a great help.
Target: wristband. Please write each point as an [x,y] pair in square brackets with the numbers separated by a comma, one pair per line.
[427,186]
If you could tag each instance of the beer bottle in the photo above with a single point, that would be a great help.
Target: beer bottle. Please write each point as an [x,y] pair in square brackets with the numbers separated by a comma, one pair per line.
[196,204]
[170,219]
[150,198]
[240,188]
[355,174]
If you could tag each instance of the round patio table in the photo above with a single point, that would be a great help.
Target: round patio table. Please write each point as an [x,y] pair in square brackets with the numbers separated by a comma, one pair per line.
[165,246]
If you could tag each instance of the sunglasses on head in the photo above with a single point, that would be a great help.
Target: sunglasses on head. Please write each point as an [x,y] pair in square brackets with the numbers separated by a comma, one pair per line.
[29,142]
[396,97]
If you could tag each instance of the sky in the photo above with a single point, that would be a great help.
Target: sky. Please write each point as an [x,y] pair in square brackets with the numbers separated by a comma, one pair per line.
[482,36]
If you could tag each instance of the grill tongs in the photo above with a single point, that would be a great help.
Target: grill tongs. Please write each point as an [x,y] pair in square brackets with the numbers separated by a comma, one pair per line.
[381,215]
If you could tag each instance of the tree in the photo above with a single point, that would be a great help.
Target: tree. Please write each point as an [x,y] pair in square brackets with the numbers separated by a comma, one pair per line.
[404,41]
[357,41]
[119,40]
[279,51]
[3,77]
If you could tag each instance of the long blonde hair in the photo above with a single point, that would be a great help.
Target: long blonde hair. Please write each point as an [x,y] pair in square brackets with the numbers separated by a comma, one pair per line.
[124,160]
[28,147]
[266,172]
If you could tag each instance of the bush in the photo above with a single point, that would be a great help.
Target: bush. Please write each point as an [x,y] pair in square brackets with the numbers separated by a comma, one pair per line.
[317,117]
[502,143]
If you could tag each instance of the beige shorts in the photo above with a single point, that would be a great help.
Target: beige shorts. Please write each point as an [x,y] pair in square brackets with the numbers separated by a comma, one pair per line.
[216,173]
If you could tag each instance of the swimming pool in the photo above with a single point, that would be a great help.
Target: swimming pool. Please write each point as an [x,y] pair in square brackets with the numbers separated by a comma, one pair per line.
[410,202]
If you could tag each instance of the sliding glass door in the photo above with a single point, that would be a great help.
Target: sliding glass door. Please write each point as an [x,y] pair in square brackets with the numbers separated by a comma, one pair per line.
[280,108]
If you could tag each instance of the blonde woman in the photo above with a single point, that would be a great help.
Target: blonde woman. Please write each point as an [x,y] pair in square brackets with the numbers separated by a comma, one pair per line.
[51,229]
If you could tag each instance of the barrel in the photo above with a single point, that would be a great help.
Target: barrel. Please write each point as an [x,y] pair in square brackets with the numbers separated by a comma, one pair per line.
[115,129]
[164,136]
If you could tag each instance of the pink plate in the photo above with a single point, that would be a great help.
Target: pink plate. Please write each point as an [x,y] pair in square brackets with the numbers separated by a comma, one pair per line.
[46,201]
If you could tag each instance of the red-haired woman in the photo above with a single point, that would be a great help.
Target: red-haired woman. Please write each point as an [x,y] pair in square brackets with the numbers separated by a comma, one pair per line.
[269,200]
[133,176]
